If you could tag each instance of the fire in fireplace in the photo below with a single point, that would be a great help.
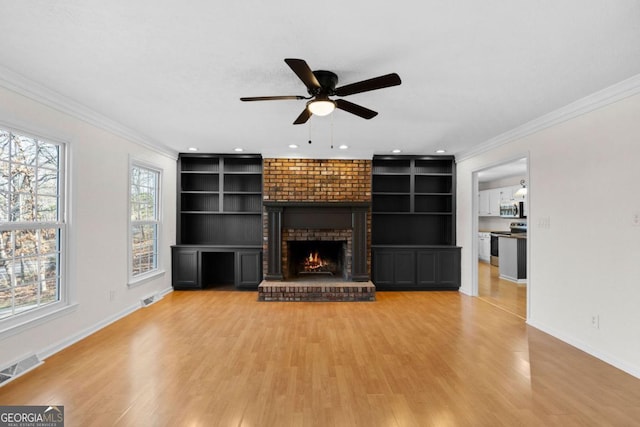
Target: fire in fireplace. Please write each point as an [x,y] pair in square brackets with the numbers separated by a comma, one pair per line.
[315,264]
[316,260]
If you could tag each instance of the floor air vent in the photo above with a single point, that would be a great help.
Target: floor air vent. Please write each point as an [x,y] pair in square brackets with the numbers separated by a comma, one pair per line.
[19,368]
[150,300]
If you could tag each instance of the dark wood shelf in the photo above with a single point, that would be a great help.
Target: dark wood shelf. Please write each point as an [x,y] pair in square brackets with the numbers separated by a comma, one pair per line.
[413,223]
[219,222]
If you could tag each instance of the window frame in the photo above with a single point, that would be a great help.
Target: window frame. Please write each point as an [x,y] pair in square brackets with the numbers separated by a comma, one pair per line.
[137,279]
[17,322]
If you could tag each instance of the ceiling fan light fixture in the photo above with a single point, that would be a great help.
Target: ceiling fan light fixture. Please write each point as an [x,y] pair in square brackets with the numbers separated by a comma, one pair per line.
[321,107]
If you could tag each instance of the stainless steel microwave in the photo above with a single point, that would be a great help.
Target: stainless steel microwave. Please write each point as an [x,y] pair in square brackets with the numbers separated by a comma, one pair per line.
[512,210]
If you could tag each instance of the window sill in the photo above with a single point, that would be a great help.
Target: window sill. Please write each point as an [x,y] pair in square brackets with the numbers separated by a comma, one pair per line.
[18,325]
[144,278]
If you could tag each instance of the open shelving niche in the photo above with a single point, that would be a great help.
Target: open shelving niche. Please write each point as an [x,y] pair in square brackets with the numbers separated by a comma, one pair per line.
[413,229]
[219,230]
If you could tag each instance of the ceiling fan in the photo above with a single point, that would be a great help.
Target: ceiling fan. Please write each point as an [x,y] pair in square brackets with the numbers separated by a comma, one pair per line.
[321,85]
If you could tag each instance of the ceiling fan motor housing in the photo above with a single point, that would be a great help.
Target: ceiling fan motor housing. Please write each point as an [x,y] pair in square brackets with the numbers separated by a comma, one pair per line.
[328,82]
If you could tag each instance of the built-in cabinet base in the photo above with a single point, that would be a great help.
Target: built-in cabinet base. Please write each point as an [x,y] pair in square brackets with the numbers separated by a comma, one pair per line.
[198,267]
[416,267]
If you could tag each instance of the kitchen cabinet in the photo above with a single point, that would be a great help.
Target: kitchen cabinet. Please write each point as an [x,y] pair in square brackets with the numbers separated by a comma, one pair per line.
[484,246]
[489,203]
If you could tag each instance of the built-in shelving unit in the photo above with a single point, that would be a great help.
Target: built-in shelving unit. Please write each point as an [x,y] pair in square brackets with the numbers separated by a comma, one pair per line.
[413,204]
[219,213]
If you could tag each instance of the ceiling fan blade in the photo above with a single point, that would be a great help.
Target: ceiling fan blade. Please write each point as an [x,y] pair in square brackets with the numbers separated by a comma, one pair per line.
[271,98]
[356,109]
[371,84]
[303,117]
[304,73]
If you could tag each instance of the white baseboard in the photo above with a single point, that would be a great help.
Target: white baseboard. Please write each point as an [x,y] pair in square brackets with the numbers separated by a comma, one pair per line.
[629,368]
[54,348]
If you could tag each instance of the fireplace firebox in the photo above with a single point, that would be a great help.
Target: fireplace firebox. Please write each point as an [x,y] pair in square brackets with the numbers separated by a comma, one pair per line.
[316,260]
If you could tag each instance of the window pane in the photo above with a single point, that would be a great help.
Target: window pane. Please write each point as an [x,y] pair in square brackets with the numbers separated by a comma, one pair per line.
[144,248]
[4,207]
[48,155]
[6,301]
[6,245]
[47,208]
[23,179]
[26,271]
[25,150]
[4,176]
[26,297]
[50,266]
[22,207]
[47,182]
[49,292]
[5,274]
[25,243]
[48,238]
[5,143]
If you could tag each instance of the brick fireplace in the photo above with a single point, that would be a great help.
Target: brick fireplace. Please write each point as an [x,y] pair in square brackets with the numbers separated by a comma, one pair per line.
[317,200]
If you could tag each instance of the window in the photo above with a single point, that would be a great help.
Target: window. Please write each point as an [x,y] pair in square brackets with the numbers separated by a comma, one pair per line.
[31,224]
[144,220]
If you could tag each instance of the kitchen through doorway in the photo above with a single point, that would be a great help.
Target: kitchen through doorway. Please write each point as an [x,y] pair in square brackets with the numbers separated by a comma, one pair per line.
[502,192]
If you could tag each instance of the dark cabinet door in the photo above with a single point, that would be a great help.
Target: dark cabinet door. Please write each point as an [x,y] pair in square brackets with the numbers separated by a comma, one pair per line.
[449,268]
[248,269]
[394,268]
[427,268]
[420,268]
[405,268]
[383,267]
[184,268]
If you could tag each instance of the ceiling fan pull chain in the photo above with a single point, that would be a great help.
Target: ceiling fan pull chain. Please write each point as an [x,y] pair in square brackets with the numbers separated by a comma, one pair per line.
[332,131]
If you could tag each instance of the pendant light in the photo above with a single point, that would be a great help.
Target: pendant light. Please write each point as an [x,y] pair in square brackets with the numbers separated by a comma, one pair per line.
[522,192]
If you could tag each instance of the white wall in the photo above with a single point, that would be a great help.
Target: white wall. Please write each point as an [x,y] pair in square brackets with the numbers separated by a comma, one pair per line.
[583,176]
[97,238]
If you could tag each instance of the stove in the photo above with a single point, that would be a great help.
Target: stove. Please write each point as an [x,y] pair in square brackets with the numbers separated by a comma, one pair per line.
[518,227]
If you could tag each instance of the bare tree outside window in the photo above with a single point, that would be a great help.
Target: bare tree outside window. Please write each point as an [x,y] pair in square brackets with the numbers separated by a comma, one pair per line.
[30,223]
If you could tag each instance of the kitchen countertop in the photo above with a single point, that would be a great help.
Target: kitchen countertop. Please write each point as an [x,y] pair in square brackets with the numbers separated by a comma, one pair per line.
[514,236]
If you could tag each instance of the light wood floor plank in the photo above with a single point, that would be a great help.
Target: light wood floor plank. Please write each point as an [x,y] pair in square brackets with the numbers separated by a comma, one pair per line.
[220,358]
[504,294]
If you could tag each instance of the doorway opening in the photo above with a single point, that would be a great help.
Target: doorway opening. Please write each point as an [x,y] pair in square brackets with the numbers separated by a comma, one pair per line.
[502,235]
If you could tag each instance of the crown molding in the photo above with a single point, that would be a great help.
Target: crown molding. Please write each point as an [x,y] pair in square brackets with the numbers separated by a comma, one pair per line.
[602,98]
[43,95]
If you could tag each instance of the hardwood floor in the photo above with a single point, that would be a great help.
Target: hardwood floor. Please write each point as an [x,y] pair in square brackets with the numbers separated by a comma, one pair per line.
[221,358]
[504,294]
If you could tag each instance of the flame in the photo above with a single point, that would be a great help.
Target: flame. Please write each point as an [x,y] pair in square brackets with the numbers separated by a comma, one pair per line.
[314,262]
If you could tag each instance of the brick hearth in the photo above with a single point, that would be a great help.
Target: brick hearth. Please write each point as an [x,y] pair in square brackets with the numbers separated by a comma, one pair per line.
[313,291]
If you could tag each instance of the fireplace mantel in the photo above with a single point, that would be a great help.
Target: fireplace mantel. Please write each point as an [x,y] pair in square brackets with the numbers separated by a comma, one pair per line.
[317,216]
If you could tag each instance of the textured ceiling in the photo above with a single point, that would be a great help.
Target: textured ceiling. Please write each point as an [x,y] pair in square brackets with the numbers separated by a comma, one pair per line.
[174,71]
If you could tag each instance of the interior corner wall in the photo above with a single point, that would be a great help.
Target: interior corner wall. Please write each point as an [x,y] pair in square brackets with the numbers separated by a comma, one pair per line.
[97,238]
[584,247]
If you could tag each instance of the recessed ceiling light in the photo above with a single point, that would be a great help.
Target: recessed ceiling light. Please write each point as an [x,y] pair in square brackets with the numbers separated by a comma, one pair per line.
[396,151]
[343,147]
[239,150]
[293,146]
[440,151]
[192,149]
